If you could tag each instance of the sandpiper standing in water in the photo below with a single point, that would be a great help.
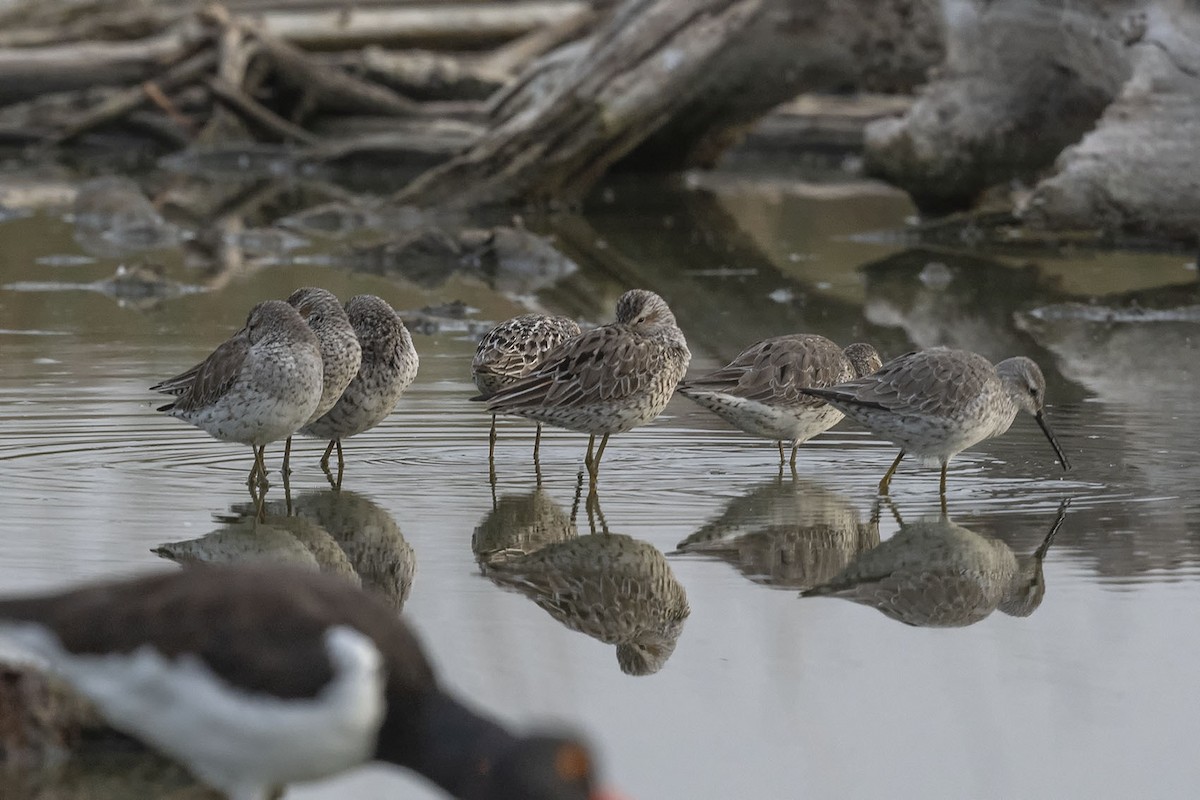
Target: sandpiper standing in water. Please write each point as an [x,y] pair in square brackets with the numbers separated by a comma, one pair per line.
[258,387]
[388,365]
[510,351]
[608,380]
[340,350]
[760,391]
[936,403]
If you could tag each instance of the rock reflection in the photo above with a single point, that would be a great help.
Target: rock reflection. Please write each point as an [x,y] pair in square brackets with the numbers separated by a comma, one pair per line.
[937,574]
[612,587]
[336,532]
[112,218]
[952,299]
[789,533]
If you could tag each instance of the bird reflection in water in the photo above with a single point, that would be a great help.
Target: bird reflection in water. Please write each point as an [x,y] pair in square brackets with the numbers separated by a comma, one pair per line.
[333,531]
[938,574]
[612,587]
[787,533]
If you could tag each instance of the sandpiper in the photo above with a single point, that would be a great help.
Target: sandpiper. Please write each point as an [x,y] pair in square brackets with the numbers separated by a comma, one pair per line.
[608,380]
[258,387]
[388,366]
[936,403]
[935,573]
[510,351]
[255,677]
[759,392]
[341,353]
[609,586]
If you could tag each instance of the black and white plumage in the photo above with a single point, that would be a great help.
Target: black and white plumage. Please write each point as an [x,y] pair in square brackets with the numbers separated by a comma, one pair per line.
[255,677]
[936,403]
[761,390]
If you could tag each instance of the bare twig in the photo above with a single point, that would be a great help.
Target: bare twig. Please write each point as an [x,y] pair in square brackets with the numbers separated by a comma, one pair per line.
[254,112]
[128,100]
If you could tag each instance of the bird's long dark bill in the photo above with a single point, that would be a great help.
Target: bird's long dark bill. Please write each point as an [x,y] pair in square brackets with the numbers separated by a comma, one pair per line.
[1041,421]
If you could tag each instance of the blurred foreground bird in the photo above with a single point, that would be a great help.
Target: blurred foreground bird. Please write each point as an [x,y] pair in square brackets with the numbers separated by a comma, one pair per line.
[255,677]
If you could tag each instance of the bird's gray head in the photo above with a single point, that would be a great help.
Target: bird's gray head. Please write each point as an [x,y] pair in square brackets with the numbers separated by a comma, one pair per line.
[1025,384]
[1029,584]
[637,658]
[272,317]
[644,310]
[368,308]
[1028,589]
[863,357]
[1024,381]
[316,305]
[380,329]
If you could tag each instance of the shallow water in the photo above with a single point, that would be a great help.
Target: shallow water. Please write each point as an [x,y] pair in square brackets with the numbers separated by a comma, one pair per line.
[766,694]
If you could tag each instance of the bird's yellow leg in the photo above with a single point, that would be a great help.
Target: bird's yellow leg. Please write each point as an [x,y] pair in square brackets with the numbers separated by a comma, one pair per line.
[887,478]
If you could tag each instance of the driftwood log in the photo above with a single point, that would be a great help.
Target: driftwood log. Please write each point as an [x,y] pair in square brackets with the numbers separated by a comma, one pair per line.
[670,85]
[1086,106]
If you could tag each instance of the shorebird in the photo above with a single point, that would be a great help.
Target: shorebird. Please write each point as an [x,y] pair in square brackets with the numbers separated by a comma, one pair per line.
[936,403]
[935,573]
[510,351]
[760,391]
[608,380]
[255,677]
[258,387]
[388,366]
[792,534]
[341,353]
[609,586]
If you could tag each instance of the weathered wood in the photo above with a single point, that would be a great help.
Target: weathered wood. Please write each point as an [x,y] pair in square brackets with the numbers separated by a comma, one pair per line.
[128,100]
[122,25]
[329,88]
[30,72]
[257,114]
[426,74]
[676,82]
[508,58]
[443,25]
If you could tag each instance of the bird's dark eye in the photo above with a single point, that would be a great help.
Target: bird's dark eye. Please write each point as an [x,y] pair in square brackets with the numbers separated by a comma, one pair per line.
[1033,391]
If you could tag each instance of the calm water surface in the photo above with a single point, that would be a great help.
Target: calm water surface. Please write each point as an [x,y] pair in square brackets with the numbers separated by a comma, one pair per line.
[766,695]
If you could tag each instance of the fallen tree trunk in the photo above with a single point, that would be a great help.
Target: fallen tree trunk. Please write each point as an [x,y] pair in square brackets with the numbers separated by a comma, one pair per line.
[442,25]
[680,80]
[30,72]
